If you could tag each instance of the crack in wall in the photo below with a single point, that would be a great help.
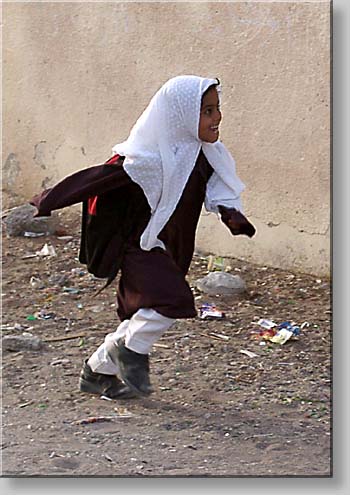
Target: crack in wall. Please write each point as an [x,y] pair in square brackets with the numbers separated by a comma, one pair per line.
[302,231]
[11,170]
[39,154]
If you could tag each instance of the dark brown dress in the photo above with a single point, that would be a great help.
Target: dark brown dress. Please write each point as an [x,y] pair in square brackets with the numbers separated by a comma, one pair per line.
[149,279]
[156,279]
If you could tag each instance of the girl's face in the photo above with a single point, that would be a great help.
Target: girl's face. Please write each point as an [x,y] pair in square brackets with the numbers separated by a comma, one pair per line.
[210,117]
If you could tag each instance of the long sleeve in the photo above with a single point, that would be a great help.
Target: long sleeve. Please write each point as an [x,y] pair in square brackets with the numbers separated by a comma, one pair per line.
[80,186]
[219,193]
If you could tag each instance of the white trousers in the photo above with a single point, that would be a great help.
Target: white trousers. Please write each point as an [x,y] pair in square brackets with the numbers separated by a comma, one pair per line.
[140,332]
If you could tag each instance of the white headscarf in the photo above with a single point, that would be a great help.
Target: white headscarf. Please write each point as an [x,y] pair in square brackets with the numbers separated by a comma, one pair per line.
[162,149]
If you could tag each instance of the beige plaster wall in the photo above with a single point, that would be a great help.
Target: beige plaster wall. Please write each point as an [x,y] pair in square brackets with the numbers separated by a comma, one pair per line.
[77,75]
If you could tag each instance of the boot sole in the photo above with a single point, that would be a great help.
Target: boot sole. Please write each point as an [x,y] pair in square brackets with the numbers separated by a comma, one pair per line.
[87,388]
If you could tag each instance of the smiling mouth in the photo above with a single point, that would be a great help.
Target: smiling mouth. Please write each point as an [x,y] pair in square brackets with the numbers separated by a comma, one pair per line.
[215,128]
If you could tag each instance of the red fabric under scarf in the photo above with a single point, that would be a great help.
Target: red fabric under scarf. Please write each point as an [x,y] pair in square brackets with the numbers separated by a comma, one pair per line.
[92,202]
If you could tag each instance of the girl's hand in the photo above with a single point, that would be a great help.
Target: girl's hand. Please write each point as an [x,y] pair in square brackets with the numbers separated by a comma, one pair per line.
[236,221]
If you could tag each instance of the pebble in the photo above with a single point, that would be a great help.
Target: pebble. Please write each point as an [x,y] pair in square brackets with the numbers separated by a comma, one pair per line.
[17,343]
[221,283]
[59,361]
[58,279]
[21,220]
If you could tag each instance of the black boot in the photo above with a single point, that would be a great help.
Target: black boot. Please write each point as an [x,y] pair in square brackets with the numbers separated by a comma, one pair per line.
[108,385]
[133,367]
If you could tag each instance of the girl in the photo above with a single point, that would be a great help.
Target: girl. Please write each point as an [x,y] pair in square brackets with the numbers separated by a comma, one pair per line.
[140,213]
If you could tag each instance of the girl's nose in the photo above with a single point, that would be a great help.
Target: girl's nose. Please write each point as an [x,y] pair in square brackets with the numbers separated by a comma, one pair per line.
[218,116]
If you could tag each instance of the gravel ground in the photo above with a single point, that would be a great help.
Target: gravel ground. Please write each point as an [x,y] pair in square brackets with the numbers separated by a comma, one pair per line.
[215,411]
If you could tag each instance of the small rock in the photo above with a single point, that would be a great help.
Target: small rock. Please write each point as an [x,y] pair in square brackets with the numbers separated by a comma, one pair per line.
[47,250]
[78,272]
[65,237]
[59,279]
[36,283]
[221,283]
[21,220]
[96,309]
[59,361]
[17,343]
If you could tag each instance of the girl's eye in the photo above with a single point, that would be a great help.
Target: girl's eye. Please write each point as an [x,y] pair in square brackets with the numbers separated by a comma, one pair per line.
[209,111]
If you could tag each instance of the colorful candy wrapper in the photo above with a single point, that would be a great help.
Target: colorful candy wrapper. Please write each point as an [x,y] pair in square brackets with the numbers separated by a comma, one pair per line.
[267,324]
[295,329]
[276,334]
[210,312]
[285,331]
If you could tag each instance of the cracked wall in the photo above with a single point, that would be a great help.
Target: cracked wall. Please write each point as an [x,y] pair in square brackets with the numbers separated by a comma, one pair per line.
[76,77]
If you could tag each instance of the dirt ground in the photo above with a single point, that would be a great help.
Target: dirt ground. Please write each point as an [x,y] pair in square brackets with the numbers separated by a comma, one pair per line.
[215,411]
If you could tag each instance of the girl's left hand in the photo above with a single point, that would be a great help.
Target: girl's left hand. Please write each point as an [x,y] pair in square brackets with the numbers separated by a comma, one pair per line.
[236,222]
